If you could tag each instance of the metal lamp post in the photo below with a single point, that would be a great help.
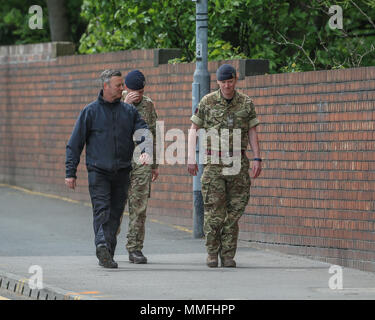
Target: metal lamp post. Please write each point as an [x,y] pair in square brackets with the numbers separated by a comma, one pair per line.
[200,87]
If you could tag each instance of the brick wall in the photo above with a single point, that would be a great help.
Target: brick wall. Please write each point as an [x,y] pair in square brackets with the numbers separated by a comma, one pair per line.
[317,191]
[315,196]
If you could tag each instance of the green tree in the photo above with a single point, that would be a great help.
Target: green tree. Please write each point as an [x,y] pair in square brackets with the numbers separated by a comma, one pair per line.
[320,47]
[124,24]
[293,35]
[297,32]
[285,32]
[14,22]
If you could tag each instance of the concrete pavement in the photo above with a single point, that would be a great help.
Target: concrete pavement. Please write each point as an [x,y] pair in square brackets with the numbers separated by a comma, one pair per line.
[54,237]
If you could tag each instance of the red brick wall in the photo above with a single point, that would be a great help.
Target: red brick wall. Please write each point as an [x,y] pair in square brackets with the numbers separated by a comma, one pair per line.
[315,196]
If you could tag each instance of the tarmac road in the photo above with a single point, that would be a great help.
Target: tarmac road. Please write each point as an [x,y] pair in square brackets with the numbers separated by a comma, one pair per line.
[56,236]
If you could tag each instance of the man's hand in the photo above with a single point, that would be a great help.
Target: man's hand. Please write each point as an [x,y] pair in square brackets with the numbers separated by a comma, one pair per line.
[192,142]
[257,169]
[257,165]
[144,159]
[193,169]
[131,97]
[155,174]
[71,183]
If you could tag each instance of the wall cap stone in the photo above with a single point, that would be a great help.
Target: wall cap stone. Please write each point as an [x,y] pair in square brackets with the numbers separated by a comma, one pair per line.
[162,56]
[24,53]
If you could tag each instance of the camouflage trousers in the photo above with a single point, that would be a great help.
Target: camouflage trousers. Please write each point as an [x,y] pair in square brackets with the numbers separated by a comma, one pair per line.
[225,198]
[139,192]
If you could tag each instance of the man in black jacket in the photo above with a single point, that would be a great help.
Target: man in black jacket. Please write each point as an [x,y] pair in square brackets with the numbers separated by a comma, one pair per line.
[107,127]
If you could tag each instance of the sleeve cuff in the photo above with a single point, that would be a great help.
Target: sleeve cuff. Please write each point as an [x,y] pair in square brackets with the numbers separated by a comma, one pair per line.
[196,120]
[253,122]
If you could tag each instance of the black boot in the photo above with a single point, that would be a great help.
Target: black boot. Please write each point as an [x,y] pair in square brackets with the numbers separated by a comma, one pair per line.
[105,257]
[137,257]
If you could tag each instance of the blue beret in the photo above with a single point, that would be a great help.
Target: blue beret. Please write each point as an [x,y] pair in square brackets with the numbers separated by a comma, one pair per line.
[225,72]
[135,80]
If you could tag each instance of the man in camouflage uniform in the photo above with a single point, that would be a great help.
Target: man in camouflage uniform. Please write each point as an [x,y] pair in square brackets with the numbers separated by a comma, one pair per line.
[140,176]
[225,193]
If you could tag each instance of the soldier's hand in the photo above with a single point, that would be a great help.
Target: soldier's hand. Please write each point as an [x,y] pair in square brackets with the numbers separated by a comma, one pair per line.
[131,97]
[71,183]
[257,169]
[144,159]
[155,174]
[193,169]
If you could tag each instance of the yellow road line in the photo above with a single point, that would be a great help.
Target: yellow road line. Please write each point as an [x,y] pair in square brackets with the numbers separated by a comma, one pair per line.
[86,204]
[73,295]
[172,226]
[20,285]
[46,195]
[182,228]
[77,295]
[80,295]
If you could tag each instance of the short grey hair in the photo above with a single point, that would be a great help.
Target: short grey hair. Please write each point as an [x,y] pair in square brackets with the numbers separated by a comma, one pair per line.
[108,74]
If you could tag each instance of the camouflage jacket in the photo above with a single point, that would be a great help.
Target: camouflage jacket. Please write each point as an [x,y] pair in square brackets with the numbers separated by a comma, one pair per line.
[148,113]
[214,112]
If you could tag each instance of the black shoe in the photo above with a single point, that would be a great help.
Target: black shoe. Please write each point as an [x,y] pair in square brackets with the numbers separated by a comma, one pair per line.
[137,257]
[105,258]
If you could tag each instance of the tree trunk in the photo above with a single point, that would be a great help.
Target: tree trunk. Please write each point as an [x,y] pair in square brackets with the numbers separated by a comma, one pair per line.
[58,20]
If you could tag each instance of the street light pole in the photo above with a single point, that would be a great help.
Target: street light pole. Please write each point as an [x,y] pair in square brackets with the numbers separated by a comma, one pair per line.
[200,87]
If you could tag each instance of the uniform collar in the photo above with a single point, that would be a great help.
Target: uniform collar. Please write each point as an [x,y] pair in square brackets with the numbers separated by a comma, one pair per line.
[223,100]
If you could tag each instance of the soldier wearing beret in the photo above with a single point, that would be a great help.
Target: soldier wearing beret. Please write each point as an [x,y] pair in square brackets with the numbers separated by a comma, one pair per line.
[141,175]
[225,196]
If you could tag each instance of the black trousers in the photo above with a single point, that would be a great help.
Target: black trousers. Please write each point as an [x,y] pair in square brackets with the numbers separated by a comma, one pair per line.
[108,192]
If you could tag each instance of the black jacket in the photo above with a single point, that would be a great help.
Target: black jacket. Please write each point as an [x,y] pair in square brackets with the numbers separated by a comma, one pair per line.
[107,130]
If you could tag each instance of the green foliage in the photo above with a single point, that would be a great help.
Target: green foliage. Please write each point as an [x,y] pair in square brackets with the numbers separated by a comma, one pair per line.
[222,50]
[124,24]
[178,60]
[14,22]
[291,67]
[76,22]
[286,32]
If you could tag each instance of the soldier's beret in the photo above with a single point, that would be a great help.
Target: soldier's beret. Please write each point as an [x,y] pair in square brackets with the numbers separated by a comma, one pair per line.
[225,72]
[135,80]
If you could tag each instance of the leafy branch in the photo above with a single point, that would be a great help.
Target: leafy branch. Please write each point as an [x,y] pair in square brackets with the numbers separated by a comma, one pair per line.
[299,46]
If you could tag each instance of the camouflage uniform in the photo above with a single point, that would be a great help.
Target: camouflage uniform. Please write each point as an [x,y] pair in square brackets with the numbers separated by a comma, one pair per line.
[224,196]
[140,183]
